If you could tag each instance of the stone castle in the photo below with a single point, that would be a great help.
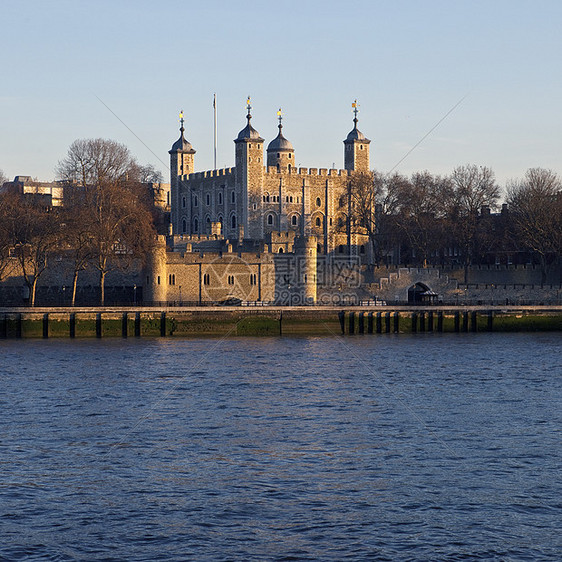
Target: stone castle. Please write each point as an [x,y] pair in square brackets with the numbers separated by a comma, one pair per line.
[255,231]
[269,232]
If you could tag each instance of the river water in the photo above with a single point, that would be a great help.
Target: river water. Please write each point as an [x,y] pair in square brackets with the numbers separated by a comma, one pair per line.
[421,447]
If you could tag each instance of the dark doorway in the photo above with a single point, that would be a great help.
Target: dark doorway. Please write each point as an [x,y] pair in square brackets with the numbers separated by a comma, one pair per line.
[421,294]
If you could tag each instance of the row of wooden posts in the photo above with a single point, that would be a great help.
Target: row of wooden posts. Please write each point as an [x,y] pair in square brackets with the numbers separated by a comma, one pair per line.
[423,321]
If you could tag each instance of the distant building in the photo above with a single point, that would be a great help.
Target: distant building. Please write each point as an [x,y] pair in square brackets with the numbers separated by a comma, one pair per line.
[51,193]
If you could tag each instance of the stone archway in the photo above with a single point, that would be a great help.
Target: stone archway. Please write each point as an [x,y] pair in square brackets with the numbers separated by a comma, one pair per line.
[421,294]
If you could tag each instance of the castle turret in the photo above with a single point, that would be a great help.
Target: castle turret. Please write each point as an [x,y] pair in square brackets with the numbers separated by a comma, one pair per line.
[356,147]
[306,252]
[249,176]
[280,152]
[156,269]
[181,165]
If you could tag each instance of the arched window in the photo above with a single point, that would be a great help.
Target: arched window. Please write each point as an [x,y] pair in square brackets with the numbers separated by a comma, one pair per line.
[183,202]
[233,221]
[220,219]
[184,226]
[206,279]
[294,220]
[195,200]
[195,225]
[208,198]
[220,197]
[318,202]
[280,250]
[269,219]
[233,197]
[318,221]
[278,168]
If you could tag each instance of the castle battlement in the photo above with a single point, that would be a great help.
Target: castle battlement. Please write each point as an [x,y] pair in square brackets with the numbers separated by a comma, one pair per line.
[222,172]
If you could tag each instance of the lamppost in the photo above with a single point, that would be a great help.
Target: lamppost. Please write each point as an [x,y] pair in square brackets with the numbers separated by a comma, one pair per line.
[135,294]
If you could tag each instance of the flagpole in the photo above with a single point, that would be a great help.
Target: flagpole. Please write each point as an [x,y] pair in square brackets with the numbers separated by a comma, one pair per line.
[215,126]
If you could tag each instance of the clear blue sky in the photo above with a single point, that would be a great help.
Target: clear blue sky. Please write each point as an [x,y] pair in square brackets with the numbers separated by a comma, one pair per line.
[408,62]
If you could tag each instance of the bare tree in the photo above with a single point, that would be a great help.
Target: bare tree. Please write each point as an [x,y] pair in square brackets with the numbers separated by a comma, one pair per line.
[34,233]
[535,205]
[3,178]
[473,187]
[423,204]
[119,223]
[388,238]
[6,239]
[359,203]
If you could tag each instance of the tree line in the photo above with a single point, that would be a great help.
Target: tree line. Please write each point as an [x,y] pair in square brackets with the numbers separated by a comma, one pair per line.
[107,221]
[424,218]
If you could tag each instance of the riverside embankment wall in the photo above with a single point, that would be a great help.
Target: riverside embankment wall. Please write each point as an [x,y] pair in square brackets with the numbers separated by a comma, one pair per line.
[270,321]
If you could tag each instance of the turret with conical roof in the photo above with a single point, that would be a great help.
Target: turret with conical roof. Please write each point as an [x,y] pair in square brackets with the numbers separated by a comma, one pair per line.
[356,147]
[182,163]
[280,152]
[249,178]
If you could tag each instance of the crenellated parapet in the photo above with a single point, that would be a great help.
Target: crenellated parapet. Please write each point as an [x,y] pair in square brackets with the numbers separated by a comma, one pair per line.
[212,174]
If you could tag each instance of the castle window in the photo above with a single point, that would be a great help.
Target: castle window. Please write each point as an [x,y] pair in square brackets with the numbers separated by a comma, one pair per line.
[294,220]
[183,202]
[195,201]
[158,280]
[362,249]
[291,199]
[270,219]
[278,155]
[289,154]
[318,202]
[220,220]
[289,166]
[195,225]
[253,279]
[249,158]
[231,279]
[250,145]
[287,199]
[259,159]
[255,206]
[208,199]
[361,146]
[280,250]
[220,198]
[184,226]
[233,197]
[318,221]
[267,198]
[171,279]
[233,221]
[206,279]
[278,167]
